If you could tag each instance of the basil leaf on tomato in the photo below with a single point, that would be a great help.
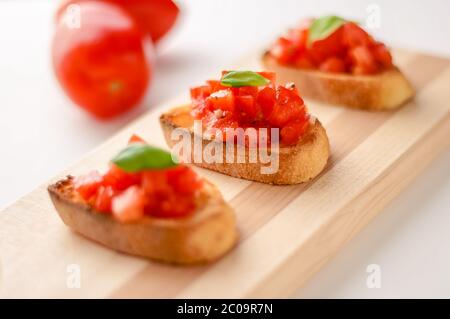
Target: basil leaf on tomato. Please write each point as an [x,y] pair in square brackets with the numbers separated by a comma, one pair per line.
[243,78]
[139,156]
[323,27]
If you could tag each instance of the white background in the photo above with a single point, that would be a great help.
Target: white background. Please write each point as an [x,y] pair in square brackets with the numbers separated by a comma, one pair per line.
[41,132]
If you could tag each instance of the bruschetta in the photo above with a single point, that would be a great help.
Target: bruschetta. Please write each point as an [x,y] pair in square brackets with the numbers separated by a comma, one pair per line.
[243,106]
[149,206]
[337,62]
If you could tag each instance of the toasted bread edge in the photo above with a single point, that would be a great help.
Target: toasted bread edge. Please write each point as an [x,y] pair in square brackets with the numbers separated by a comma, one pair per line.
[385,91]
[204,236]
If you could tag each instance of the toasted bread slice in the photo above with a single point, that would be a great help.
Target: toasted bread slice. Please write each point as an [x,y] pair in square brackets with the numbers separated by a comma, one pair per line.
[297,164]
[385,91]
[203,236]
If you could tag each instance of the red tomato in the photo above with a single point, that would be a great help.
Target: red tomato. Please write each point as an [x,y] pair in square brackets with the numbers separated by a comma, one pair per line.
[129,205]
[299,37]
[330,46]
[304,62]
[382,55]
[222,100]
[118,179]
[353,36]
[271,76]
[332,65]
[173,207]
[363,60]
[247,106]
[183,179]
[103,199]
[102,65]
[290,134]
[154,17]
[250,106]
[155,183]
[87,185]
[266,99]
[248,90]
[200,92]
[289,107]
[283,50]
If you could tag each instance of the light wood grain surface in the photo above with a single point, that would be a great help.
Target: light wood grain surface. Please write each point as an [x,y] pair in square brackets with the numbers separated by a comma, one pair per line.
[287,232]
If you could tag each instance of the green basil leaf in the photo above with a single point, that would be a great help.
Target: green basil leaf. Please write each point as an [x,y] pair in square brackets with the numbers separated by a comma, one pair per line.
[322,27]
[243,78]
[139,156]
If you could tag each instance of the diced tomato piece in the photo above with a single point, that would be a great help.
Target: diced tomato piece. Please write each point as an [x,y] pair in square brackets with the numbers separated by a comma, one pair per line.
[283,50]
[290,134]
[284,113]
[87,185]
[333,65]
[330,46]
[129,205]
[304,62]
[200,108]
[248,90]
[382,55]
[222,100]
[288,107]
[288,95]
[215,85]
[363,61]
[246,105]
[118,179]
[103,199]
[184,180]
[266,100]
[174,207]
[299,38]
[353,36]
[271,76]
[155,183]
[200,92]
[136,139]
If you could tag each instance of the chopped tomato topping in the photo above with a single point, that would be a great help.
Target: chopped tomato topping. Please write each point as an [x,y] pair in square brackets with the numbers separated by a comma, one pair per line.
[363,60]
[353,36]
[266,106]
[165,193]
[129,205]
[382,55]
[222,100]
[349,49]
[266,99]
[118,179]
[292,131]
[87,185]
[104,198]
[333,65]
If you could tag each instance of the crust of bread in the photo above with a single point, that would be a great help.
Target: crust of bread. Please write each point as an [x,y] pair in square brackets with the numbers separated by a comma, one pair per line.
[297,164]
[204,236]
[385,91]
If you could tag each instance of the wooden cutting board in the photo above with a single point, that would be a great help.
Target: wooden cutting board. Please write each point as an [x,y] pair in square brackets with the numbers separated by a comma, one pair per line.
[287,232]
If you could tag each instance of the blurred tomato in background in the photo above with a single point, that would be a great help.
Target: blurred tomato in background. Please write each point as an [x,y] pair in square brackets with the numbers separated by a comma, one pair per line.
[101,51]
[154,17]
